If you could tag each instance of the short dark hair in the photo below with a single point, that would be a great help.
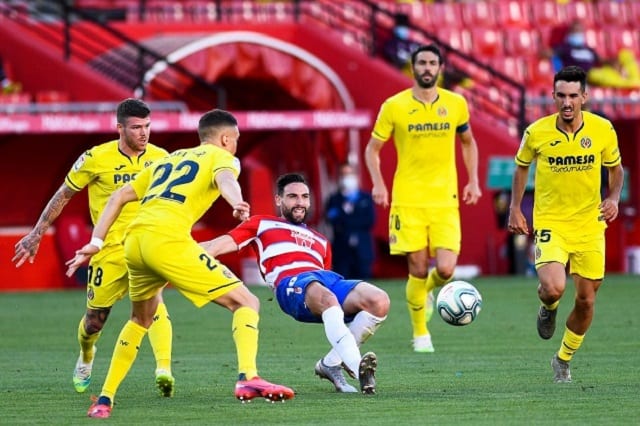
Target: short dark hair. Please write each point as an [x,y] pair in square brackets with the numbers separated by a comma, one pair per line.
[131,108]
[427,48]
[571,73]
[212,120]
[288,178]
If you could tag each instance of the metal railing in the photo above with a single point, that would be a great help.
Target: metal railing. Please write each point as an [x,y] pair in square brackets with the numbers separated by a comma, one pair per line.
[81,35]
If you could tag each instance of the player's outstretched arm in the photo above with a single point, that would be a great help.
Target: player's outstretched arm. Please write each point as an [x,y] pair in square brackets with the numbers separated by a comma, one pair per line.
[109,215]
[221,245]
[27,247]
[232,193]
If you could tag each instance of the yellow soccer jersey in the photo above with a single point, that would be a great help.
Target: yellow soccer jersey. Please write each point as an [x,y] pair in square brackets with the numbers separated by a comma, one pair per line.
[568,171]
[424,137]
[104,169]
[178,190]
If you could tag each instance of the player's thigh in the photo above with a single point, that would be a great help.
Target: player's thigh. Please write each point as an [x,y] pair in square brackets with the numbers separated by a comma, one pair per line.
[291,293]
[407,229]
[550,246]
[144,281]
[444,230]
[587,258]
[186,265]
[107,278]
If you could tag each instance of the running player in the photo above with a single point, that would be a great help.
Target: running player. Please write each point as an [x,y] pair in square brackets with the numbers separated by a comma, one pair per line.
[569,220]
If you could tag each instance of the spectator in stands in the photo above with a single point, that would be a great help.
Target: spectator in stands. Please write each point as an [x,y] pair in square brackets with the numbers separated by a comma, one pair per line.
[8,85]
[397,50]
[351,214]
[620,72]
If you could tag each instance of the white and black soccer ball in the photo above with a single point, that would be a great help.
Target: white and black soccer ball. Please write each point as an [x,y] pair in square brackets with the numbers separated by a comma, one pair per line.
[459,303]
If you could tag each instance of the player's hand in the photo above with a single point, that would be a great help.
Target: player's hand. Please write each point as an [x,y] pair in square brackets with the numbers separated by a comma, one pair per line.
[81,257]
[241,211]
[609,209]
[26,249]
[380,195]
[517,222]
[471,193]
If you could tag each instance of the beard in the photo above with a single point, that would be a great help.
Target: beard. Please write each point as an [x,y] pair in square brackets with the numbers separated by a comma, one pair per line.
[291,217]
[426,84]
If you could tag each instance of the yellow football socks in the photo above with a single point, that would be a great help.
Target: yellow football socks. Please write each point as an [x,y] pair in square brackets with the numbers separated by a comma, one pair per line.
[244,328]
[570,344]
[160,336]
[416,293]
[551,307]
[124,355]
[87,342]
[435,280]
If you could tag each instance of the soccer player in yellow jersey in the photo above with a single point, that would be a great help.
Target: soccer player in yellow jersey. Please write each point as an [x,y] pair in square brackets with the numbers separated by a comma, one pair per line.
[424,219]
[103,169]
[174,193]
[569,148]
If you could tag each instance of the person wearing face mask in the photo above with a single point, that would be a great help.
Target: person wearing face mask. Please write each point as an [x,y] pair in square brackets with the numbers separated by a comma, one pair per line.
[351,214]
[621,72]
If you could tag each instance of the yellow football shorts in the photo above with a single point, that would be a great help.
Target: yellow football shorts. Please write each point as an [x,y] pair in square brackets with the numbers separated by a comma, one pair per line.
[154,259]
[412,229]
[584,253]
[107,280]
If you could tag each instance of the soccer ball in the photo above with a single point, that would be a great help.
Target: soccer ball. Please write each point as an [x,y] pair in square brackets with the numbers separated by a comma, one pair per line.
[459,303]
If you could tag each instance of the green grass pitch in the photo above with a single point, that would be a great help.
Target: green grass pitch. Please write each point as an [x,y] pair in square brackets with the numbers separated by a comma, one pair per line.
[494,371]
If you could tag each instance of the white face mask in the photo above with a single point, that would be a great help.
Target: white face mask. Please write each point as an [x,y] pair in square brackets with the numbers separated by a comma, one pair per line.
[349,183]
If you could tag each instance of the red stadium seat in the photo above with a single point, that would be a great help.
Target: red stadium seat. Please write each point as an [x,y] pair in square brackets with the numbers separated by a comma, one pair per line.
[417,13]
[201,10]
[521,41]
[633,13]
[512,13]
[612,12]
[595,38]
[487,42]
[539,74]
[600,100]
[445,15]
[546,13]
[478,14]
[621,38]
[511,66]
[581,10]
[164,11]
[459,39]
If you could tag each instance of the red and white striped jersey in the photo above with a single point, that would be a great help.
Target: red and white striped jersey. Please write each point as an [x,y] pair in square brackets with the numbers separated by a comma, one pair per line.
[284,249]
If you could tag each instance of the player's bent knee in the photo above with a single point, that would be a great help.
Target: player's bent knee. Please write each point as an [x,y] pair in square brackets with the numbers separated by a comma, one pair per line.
[94,320]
